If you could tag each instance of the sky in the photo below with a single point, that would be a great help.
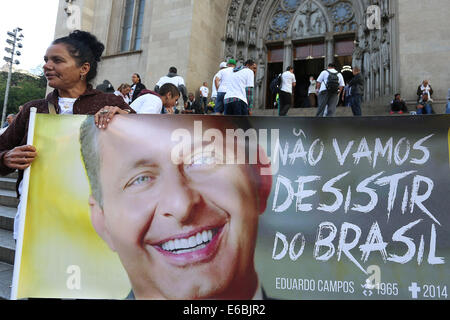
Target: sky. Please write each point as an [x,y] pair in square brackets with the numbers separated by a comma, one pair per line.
[37,18]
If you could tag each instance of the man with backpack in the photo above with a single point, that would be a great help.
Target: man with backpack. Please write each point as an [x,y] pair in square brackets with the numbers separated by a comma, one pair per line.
[329,84]
[288,82]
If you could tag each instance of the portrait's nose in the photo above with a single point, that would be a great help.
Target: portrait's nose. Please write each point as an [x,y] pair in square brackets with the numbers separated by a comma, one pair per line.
[177,199]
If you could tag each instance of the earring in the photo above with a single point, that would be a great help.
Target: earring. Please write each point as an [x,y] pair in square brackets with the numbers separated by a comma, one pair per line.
[82,77]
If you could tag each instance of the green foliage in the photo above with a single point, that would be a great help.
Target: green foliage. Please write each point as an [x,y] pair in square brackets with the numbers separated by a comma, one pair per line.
[24,88]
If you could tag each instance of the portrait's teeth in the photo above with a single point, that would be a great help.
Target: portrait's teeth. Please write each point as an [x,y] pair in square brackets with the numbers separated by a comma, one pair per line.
[199,238]
[196,242]
[192,242]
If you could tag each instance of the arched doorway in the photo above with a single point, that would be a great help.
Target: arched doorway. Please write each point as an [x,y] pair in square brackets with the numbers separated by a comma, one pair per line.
[309,34]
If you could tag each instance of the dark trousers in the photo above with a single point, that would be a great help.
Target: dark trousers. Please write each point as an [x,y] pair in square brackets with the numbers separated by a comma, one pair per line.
[205,104]
[236,108]
[327,104]
[312,100]
[219,106]
[285,103]
[355,103]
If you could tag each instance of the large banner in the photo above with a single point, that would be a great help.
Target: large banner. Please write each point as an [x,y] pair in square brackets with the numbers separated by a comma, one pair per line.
[212,207]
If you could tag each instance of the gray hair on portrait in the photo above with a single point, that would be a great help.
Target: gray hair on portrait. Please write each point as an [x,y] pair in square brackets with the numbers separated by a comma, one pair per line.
[89,136]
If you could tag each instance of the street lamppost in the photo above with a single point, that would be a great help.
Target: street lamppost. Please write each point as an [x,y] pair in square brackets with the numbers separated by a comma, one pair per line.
[14,42]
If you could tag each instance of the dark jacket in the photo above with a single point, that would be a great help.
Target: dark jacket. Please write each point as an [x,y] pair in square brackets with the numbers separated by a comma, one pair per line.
[195,106]
[399,105]
[357,85]
[137,91]
[88,103]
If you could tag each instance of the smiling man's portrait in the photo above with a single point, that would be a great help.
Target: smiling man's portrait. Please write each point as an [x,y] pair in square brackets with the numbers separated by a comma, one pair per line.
[182,229]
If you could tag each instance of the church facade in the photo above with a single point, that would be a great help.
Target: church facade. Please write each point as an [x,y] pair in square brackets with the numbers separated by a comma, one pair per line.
[396,43]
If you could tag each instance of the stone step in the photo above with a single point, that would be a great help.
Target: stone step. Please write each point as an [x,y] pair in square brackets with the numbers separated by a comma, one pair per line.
[7,215]
[7,246]
[13,175]
[7,183]
[8,198]
[372,110]
[6,275]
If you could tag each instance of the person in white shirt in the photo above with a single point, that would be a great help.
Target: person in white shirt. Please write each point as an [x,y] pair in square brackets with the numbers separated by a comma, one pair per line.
[222,66]
[124,92]
[312,92]
[240,90]
[152,103]
[221,83]
[204,92]
[329,84]
[173,78]
[288,82]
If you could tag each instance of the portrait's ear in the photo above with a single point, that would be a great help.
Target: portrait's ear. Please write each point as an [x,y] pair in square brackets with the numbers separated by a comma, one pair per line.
[98,221]
[264,174]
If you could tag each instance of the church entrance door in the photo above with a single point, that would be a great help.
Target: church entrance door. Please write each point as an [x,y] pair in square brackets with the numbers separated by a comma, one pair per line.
[309,60]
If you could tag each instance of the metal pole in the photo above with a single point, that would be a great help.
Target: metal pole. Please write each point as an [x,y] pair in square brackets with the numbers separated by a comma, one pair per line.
[8,83]
[5,103]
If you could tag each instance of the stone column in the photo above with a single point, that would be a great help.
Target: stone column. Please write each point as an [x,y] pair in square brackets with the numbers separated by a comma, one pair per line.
[288,59]
[329,43]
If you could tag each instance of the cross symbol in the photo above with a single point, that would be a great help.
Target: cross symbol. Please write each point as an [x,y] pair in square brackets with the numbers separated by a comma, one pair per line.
[414,289]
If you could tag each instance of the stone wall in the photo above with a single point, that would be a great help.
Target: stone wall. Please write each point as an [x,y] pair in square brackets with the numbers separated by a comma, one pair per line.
[424,46]
[206,43]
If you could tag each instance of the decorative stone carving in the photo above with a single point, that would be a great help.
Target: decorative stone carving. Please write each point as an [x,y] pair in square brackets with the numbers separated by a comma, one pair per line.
[366,59]
[241,34]
[230,30]
[299,31]
[385,50]
[234,6]
[310,21]
[320,25]
[240,57]
[308,11]
[252,37]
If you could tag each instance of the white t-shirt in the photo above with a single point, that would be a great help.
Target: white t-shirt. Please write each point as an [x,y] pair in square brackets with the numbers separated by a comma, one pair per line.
[312,87]
[214,90]
[224,77]
[66,105]
[323,78]
[287,79]
[177,81]
[147,104]
[204,91]
[238,82]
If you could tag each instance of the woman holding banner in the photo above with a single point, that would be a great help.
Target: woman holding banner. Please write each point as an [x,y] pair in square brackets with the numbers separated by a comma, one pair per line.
[70,64]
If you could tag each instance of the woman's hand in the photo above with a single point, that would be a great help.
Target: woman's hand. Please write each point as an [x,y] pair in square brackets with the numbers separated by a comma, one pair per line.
[20,157]
[105,115]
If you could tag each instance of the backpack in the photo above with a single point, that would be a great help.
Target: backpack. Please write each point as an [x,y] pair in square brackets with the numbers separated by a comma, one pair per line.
[332,82]
[275,85]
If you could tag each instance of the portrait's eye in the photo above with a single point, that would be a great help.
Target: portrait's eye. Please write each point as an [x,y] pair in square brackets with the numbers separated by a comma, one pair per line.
[139,181]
